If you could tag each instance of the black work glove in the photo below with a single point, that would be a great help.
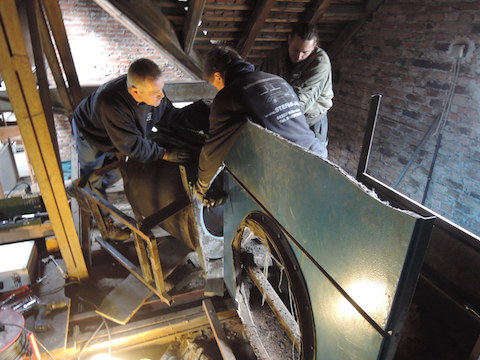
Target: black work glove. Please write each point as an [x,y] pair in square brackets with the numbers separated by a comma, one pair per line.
[214,199]
[178,156]
[208,198]
[200,189]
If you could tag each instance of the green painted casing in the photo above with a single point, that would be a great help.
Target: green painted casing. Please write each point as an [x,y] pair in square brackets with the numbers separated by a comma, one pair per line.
[371,251]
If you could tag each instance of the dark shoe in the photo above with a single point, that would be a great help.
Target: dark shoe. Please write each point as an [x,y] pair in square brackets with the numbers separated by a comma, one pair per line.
[116,233]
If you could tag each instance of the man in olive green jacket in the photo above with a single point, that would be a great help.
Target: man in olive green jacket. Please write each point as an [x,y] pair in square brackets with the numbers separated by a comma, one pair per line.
[306,67]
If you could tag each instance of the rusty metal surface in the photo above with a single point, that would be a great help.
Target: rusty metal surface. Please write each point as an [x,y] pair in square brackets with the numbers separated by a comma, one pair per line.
[124,300]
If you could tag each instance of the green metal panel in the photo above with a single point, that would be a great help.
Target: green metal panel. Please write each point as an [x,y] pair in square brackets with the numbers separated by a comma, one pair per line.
[362,243]
[236,208]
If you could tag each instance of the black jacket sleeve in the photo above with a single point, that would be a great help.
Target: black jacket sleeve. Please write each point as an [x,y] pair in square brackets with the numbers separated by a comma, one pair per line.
[224,129]
[127,135]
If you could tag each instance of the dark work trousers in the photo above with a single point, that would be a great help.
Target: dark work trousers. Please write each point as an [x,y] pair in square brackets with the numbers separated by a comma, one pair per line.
[320,128]
[91,159]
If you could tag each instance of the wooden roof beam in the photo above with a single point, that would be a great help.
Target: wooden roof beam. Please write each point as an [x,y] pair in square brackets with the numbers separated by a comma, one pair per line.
[192,22]
[53,62]
[148,23]
[53,14]
[317,10]
[344,13]
[349,31]
[254,26]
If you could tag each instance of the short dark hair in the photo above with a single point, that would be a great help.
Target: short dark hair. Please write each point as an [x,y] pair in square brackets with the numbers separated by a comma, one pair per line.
[140,70]
[218,59]
[305,31]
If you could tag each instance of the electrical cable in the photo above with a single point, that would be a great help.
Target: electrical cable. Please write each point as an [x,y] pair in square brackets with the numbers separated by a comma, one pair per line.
[89,340]
[27,188]
[57,289]
[439,122]
[109,335]
[441,126]
[28,332]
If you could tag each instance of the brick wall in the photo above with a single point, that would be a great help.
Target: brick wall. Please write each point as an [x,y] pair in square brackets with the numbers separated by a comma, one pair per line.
[404,53]
[102,49]
[64,136]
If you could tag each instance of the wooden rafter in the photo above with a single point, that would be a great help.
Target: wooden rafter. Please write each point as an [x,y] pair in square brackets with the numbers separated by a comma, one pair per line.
[53,63]
[192,21]
[344,13]
[22,89]
[54,15]
[254,26]
[31,8]
[317,10]
[147,22]
[352,28]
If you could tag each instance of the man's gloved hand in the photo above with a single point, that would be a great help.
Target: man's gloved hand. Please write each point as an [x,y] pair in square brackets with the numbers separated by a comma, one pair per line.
[200,189]
[178,156]
[208,198]
[214,199]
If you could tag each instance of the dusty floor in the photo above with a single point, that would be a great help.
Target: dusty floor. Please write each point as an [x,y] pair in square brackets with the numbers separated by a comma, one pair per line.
[431,331]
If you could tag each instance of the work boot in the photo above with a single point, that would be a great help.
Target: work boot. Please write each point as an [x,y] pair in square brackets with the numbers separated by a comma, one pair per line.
[116,233]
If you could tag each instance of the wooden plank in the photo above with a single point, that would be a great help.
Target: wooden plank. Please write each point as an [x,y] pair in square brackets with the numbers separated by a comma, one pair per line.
[276,304]
[317,10]
[194,15]
[351,29]
[217,329]
[159,330]
[57,27]
[128,297]
[26,232]
[254,26]
[156,30]
[32,7]
[81,218]
[22,92]
[124,300]
[54,65]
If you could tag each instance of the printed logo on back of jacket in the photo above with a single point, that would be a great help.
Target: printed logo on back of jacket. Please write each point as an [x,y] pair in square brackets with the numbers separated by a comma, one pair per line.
[149,116]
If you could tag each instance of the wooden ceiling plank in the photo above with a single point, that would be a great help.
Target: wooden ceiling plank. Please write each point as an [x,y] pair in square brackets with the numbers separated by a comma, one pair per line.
[350,30]
[347,12]
[230,7]
[317,10]
[254,26]
[192,21]
[148,23]
[241,20]
[246,7]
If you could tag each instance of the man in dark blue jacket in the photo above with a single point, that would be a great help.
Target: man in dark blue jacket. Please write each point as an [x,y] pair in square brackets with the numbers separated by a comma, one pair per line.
[118,117]
[245,94]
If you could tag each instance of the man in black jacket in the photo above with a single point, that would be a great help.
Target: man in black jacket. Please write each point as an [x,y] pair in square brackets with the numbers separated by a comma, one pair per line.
[118,117]
[245,94]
